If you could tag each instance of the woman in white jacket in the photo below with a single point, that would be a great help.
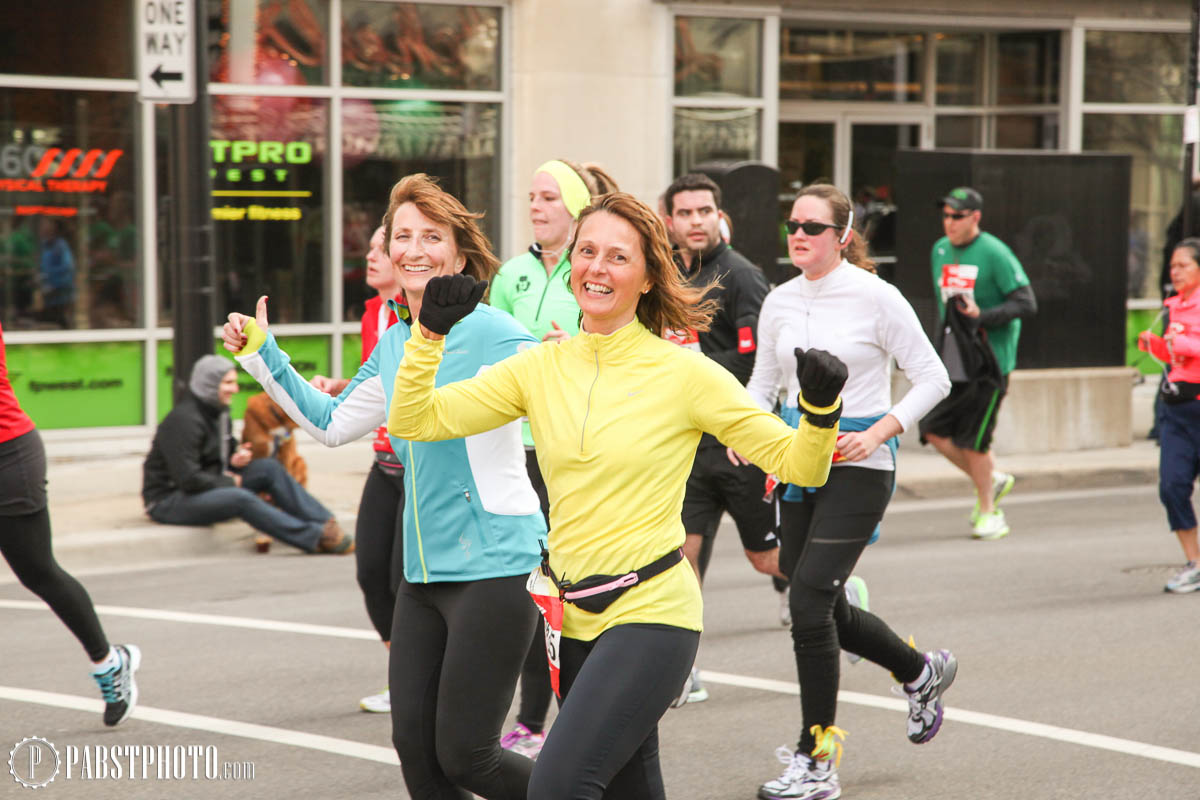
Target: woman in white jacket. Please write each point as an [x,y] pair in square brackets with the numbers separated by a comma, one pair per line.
[838,304]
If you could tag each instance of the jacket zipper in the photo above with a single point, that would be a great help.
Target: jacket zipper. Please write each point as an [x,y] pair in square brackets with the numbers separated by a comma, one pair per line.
[412,472]
[587,412]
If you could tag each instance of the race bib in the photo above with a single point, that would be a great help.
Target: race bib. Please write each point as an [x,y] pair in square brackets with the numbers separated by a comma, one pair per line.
[685,338]
[958,279]
[545,595]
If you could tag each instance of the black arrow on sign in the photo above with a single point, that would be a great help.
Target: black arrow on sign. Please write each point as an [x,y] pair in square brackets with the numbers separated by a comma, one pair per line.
[159,76]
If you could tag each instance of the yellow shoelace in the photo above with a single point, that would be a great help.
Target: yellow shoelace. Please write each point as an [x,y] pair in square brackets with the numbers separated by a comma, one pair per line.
[828,745]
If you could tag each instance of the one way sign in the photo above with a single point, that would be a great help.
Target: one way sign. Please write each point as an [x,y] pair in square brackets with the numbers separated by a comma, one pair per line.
[166,49]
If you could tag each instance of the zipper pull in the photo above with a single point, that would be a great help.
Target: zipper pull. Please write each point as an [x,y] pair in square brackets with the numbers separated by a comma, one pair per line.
[467,494]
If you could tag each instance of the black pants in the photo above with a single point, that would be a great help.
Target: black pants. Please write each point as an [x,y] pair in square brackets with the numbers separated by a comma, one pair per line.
[822,539]
[615,689]
[535,675]
[25,542]
[378,551]
[458,648]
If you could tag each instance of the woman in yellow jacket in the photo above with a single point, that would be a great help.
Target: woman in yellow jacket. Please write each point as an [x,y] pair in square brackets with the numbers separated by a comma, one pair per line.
[617,412]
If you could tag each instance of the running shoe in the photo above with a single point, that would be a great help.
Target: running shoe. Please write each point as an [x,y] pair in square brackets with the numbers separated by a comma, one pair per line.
[925,700]
[1002,484]
[118,686]
[785,607]
[808,777]
[697,693]
[991,525]
[377,703]
[335,540]
[857,596]
[1186,580]
[523,741]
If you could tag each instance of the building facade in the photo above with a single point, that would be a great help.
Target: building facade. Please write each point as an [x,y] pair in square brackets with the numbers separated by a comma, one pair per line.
[318,106]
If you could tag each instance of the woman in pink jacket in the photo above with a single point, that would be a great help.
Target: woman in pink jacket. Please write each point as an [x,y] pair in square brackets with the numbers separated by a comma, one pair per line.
[1179,429]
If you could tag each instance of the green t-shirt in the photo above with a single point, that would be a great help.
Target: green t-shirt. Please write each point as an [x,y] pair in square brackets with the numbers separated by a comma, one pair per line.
[523,289]
[998,275]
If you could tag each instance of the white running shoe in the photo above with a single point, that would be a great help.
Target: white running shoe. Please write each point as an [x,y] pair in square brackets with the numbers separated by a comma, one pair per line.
[925,701]
[377,703]
[803,779]
[1186,580]
[1002,484]
[991,525]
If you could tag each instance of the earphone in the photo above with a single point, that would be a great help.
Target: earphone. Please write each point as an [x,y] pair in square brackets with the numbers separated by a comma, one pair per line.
[846,233]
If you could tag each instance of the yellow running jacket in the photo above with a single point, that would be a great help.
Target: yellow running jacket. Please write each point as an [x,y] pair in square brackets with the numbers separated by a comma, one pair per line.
[617,419]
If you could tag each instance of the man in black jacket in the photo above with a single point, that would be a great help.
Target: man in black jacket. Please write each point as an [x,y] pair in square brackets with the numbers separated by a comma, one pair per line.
[719,481]
[195,474]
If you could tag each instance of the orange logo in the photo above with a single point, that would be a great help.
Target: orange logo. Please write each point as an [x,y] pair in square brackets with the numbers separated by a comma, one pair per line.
[52,166]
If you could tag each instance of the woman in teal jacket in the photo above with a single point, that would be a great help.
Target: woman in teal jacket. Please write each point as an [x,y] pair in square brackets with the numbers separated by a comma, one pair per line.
[463,619]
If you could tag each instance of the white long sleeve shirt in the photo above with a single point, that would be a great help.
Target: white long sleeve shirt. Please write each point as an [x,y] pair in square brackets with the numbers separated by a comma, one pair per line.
[864,321]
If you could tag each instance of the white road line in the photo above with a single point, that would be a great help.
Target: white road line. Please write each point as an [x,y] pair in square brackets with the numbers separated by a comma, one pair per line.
[1008,724]
[196,722]
[179,719]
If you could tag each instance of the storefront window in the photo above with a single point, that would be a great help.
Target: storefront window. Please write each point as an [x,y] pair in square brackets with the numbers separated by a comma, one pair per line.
[68,233]
[718,56]
[1027,68]
[95,40]
[384,140]
[715,134]
[1122,67]
[269,41]
[1155,142]
[960,59]
[958,131]
[850,65]
[1027,131]
[420,45]
[266,161]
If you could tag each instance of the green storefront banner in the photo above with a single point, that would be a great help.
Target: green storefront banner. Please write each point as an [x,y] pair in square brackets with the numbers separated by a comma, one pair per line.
[310,356]
[78,384]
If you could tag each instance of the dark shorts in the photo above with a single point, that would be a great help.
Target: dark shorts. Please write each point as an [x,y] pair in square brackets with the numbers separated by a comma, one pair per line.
[22,475]
[967,416]
[716,486]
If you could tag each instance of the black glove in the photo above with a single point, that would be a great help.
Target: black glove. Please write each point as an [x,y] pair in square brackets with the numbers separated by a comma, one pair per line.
[449,298]
[822,376]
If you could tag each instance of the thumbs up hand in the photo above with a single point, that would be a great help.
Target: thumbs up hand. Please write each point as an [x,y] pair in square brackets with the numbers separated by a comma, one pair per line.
[233,332]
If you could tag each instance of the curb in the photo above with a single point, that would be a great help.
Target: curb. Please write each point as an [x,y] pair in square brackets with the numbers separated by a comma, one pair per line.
[936,487]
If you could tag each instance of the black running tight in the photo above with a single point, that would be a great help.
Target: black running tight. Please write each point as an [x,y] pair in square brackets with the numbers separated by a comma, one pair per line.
[379,551]
[822,539]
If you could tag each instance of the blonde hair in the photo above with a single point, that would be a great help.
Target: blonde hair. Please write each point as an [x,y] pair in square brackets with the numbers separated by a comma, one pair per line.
[445,209]
[670,302]
[856,250]
[594,177]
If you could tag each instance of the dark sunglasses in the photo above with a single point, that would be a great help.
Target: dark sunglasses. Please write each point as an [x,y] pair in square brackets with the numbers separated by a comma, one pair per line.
[959,215]
[809,228]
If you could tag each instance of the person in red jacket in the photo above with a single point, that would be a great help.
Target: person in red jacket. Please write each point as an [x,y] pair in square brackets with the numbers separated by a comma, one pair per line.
[380,561]
[25,544]
[1179,429]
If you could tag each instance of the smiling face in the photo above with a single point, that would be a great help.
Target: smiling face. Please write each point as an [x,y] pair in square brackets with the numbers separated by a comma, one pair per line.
[608,272]
[1185,272]
[961,227]
[548,213]
[228,387]
[381,275]
[421,249]
[695,220]
[815,255]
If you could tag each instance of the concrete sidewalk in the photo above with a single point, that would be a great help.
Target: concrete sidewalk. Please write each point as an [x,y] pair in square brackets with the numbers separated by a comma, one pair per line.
[96,507]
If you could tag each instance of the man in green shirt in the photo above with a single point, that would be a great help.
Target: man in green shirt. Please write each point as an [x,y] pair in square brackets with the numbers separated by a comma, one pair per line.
[979,274]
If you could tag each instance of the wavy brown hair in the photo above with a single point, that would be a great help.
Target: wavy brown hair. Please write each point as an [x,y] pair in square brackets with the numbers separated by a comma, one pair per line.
[839,204]
[670,302]
[594,177]
[445,209]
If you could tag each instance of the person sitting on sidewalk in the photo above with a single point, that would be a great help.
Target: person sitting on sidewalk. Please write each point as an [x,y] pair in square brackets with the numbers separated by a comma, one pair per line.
[194,476]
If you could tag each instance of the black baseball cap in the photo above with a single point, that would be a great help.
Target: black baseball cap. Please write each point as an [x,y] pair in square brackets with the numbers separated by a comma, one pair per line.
[964,198]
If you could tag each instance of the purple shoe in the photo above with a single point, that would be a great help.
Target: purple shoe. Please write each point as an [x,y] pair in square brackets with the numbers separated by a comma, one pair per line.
[925,700]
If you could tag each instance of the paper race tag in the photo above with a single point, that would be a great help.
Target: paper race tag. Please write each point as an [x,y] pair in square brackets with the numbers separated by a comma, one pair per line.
[545,595]
[685,338]
[773,481]
[958,279]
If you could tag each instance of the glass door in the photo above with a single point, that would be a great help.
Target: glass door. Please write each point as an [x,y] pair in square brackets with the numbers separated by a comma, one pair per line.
[872,167]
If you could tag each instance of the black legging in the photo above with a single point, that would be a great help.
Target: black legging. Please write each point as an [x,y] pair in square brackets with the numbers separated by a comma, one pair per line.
[822,539]
[378,552]
[452,673]
[604,743]
[535,675]
[25,542]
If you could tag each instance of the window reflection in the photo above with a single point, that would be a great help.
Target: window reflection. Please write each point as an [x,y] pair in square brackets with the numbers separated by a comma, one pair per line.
[1121,67]
[1027,131]
[958,131]
[715,134]
[960,69]
[1027,68]
[38,39]
[384,140]
[275,42]
[715,55]
[420,45]
[68,238]
[850,65]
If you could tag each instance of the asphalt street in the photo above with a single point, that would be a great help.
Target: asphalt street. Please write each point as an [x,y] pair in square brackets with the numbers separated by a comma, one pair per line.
[1076,678]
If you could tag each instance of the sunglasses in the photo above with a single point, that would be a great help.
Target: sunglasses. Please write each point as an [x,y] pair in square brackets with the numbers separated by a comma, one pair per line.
[809,228]
[959,215]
